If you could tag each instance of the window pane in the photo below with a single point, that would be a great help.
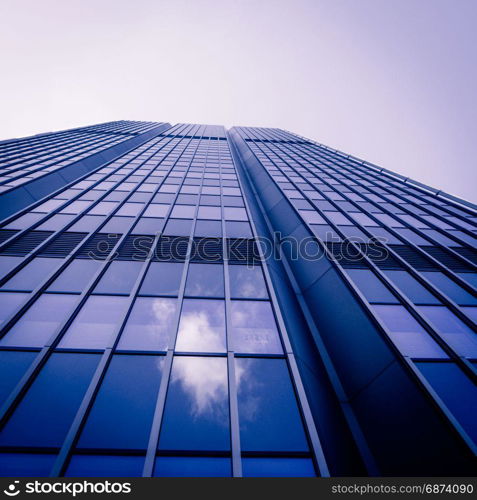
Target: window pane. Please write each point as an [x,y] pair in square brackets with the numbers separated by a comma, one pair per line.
[149,225]
[268,412]
[32,274]
[457,392]
[8,263]
[9,303]
[202,326]
[247,282]
[183,211]
[95,325]
[45,414]
[235,213]
[150,325]
[451,289]
[105,466]
[178,227]
[238,229]
[40,321]
[411,287]
[192,467]
[456,333]
[26,464]
[209,213]
[196,415]
[162,278]
[210,228]
[156,210]
[408,335]
[254,329]
[371,286]
[13,365]
[205,280]
[120,277]
[278,467]
[76,276]
[122,413]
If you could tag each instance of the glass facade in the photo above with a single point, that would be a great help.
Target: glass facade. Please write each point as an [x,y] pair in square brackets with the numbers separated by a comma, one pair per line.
[145,330]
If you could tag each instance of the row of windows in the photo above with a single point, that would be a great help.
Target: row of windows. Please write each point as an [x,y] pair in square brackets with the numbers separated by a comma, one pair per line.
[196,409]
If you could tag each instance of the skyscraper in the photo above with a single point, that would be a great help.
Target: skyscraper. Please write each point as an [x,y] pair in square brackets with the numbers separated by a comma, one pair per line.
[189,301]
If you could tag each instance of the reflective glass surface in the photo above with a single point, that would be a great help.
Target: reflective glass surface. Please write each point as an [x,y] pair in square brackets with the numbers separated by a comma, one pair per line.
[202,326]
[247,282]
[196,415]
[205,280]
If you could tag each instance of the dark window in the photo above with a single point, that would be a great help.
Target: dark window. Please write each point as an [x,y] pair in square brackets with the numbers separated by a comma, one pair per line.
[122,413]
[457,392]
[268,412]
[277,467]
[371,286]
[192,467]
[26,464]
[105,466]
[162,278]
[411,287]
[196,415]
[13,365]
[53,400]
[120,277]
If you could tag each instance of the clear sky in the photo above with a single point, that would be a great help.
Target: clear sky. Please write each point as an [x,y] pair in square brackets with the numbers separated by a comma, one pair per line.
[391,81]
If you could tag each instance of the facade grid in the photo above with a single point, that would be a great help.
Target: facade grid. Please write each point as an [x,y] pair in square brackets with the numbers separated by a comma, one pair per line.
[187,300]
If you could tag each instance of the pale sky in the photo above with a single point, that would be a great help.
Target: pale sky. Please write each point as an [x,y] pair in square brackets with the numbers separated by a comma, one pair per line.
[390,81]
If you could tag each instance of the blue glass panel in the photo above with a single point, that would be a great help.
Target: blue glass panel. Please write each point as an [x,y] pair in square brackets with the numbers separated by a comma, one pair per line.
[209,228]
[202,326]
[196,415]
[451,289]
[8,263]
[105,466]
[9,303]
[44,415]
[119,224]
[40,321]
[122,413]
[34,273]
[205,280]
[408,335]
[76,276]
[162,278]
[148,225]
[25,464]
[178,227]
[411,287]
[234,229]
[457,392]
[371,286]
[268,411]
[456,333]
[192,467]
[254,329]
[150,325]
[247,282]
[277,467]
[120,277]
[13,365]
[96,324]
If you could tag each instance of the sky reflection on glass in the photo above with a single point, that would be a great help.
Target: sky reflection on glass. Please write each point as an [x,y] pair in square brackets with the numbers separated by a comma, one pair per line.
[247,283]
[205,280]
[196,416]
[254,329]
[150,324]
[202,326]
